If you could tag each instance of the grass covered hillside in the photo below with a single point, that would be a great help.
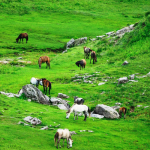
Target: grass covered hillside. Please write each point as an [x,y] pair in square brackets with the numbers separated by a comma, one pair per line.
[50,24]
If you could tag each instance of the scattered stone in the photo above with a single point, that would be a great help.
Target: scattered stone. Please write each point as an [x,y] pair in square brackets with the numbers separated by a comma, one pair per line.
[62,107]
[117,103]
[139,106]
[122,80]
[45,128]
[72,132]
[132,76]
[29,100]
[77,80]
[20,122]
[65,51]
[90,131]
[97,116]
[32,120]
[57,126]
[125,63]
[100,84]
[146,106]
[148,74]
[133,80]
[60,95]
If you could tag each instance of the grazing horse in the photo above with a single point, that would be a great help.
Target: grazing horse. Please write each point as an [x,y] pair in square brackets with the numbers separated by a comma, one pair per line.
[46,84]
[21,36]
[78,100]
[122,110]
[44,59]
[81,63]
[36,81]
[93,56]
[63,134]
[86,52]
[78,109]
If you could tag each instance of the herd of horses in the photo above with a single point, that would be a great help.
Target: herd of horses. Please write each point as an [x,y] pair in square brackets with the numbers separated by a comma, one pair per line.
[78,107]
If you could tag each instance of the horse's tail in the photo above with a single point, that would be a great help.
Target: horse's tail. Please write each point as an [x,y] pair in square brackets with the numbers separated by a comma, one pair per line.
[40,61]
[50,86]
[56,137]
[125,110]
[27,38]
[89,111]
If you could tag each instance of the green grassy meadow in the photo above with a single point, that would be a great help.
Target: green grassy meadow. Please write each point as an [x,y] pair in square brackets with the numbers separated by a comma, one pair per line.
[50,25]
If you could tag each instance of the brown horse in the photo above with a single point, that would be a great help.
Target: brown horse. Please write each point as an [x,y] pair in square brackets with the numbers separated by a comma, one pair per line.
[46,84]
[81,63]
[44,59]
[21,36]
[122,110]
[93,56]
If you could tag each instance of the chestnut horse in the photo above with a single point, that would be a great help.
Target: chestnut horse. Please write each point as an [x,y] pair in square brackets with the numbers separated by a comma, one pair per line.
[93,56]
[46,84]
[21,36]
[122,110]
[44,59]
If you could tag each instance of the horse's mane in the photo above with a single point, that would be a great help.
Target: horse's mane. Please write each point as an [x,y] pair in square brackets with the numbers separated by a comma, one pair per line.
[70,108]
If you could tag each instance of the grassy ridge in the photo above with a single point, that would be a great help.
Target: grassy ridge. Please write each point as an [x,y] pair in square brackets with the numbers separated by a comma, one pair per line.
[51,24]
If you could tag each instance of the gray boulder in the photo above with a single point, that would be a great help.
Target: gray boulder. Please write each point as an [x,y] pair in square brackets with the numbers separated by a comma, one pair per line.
[35,94]
[32,120]
[122,80]
[61,95]
[62,106]
[70,44]
[106,111]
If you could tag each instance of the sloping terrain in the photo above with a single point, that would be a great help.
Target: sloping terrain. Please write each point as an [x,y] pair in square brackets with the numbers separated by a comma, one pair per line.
[134,47]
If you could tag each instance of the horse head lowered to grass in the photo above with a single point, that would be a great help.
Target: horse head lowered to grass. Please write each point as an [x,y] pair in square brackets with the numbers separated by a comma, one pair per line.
[21,37]
[63,134]
[78,109]
[44,59]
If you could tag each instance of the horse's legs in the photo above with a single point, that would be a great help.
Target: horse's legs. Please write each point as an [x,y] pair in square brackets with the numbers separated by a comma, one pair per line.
[46,91]
[85,114]
[58,142]
[63,142]
[77,116]
[67,142]
[74,115]
[49,90]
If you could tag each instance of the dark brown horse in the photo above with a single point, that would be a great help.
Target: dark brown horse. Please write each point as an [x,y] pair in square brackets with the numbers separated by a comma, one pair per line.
[93,56]
[44,59]
[122,110]
[46,84]
[21,36]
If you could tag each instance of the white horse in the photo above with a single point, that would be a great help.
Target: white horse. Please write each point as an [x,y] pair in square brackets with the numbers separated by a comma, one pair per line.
[63,134]
[78,109]
[36,82]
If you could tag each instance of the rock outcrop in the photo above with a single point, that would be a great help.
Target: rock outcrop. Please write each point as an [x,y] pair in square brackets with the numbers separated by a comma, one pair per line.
[106,111]
[35,94]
